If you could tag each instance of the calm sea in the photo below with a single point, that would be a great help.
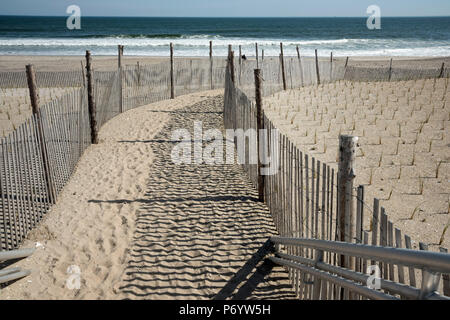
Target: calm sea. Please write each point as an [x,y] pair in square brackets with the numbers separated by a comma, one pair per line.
[191,36]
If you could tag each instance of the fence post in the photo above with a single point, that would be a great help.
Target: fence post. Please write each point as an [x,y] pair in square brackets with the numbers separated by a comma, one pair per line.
[83,73]
[441,74]
[317,68]
[331,66]
[257,57]
[240,56]
[300,64]
[91,101]
[345,67]
[262,55]
[390,70]
[211,64]
[346,175]
[172,88]
[120,54]
[260,126]
[34,98]
[231,62]
[283,74]
[139,74]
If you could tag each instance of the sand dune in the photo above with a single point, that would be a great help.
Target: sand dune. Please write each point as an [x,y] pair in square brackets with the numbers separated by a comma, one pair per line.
[403,155]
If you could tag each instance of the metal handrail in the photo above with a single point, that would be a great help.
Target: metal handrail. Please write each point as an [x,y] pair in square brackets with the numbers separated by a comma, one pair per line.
[431,261]
[16,254]
[391,286]
[432,264]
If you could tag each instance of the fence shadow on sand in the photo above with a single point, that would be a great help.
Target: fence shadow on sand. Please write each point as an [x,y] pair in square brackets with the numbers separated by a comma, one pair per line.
[201,232]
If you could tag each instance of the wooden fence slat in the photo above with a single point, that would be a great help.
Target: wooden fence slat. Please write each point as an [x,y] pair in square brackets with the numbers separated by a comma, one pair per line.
[390,238]
[398,244]
[445,278]
[4,192]
[412,275]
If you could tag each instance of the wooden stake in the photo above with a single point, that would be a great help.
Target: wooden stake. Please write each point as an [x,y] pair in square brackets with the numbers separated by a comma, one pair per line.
[390,70]
[83,73]
[441,74]
[283,72]
[34,98]
[260,126]
[231,62]
[346,175]
[345,67]
[139,74]
[257,59]
[172,87]
[300,64]
[91,101]
[317,68]
[331,70]
[120,54]
[240,55]
[262,55]
[211,65]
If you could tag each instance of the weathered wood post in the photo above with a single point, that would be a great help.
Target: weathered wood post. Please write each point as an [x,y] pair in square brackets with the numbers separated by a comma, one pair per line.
[257,56]
[232,67]
[120,54]
[441,74]
[231,62]
[283,73]
[240,56]
[390,69]
[172,85]
[260,127]
[83,73]
[262,55]
[346,175]
[138,74]
[331,66]
[317,68]
[300,65]
[34,98]
[91,101]
[211,64]
[345,67]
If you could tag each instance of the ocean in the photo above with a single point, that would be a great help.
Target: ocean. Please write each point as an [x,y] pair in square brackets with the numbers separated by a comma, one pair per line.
[426,36]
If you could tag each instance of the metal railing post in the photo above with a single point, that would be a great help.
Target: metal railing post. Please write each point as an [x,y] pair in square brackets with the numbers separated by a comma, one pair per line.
[430,284]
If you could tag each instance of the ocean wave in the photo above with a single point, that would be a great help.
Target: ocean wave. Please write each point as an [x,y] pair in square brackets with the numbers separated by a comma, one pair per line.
[198,45]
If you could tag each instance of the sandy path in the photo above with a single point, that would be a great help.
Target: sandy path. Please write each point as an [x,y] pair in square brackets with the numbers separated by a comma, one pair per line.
[96,236]
[201,232]
[138,226]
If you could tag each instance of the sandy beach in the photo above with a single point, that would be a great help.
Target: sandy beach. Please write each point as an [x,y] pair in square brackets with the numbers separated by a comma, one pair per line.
[106,63]
[139,227]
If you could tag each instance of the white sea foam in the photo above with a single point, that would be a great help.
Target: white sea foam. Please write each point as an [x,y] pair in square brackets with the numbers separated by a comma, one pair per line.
[198,45]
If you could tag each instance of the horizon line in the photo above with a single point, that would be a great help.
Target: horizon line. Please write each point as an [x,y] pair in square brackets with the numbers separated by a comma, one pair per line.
[225,17]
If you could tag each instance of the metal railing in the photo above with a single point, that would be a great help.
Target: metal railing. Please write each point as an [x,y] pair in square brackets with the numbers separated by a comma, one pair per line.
[329,279]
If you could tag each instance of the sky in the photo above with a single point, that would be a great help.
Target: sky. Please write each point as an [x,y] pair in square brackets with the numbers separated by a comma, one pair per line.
[227,8]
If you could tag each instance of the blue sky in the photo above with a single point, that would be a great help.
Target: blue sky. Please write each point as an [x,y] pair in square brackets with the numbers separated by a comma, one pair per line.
[227,8]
